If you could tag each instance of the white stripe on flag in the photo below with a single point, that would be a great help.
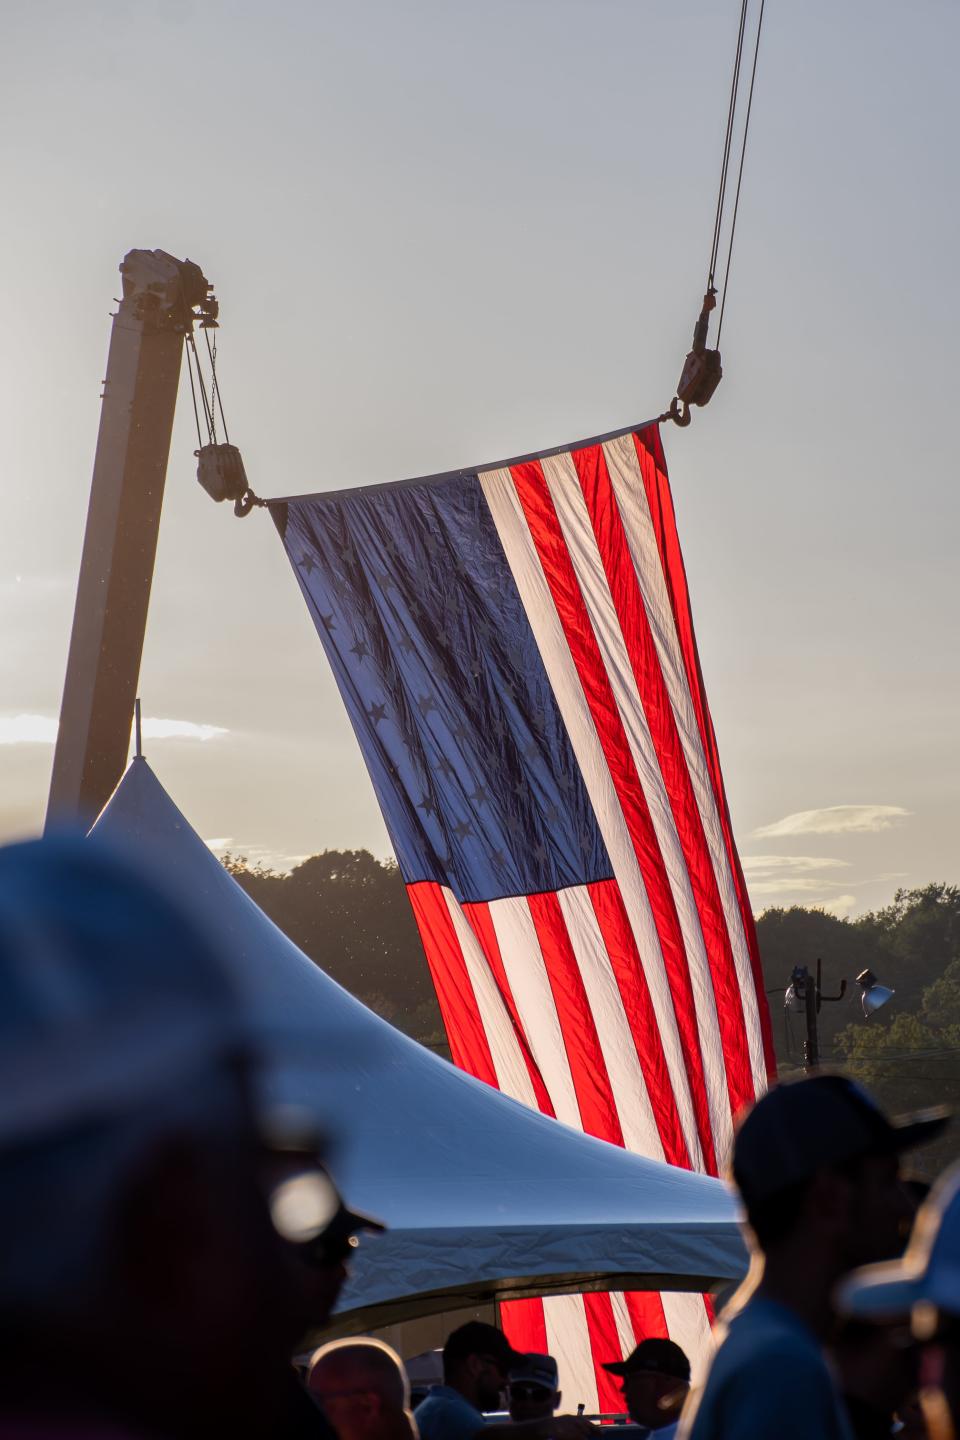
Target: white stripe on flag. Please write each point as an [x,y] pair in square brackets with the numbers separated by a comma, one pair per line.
[625,1331]
[616,1039]
[521,554]
[513,1077]
[561,477]
[568,1341]
[624,470]
[687,1323]
[533,997]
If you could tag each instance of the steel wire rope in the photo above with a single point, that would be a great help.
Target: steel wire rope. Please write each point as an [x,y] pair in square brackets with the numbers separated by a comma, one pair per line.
[728,140]
[743,153]
[193,397]
[207,411]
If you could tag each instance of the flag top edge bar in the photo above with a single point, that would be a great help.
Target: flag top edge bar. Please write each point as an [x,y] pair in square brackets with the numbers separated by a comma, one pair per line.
[465,470]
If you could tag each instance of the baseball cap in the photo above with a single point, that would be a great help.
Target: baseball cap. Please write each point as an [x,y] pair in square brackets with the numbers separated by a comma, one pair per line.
[928,1274]
[535,1369]
[802,1126]
[662,1357]
[108,993]
[478,1338]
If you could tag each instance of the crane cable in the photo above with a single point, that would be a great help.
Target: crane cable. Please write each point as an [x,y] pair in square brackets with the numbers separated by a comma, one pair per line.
[743,152]
[211,402]
[702,370]
[193,391]
[220,469]
[727,144]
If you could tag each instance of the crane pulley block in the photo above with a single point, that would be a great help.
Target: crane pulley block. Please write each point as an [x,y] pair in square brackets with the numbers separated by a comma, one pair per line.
[702,371]
[221,473]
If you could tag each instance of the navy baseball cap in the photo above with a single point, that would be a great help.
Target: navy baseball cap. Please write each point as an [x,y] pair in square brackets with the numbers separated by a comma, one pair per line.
[662,1357]
[476,1337]
[802,1126]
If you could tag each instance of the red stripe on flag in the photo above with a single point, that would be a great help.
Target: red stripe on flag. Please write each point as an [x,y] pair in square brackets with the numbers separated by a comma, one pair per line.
[635,626]
[653,468]
[478,916]
[458,1005]
[632,983]
[588,1070]
[645,1309]
[604,1346]
[524,1326]
[548,539]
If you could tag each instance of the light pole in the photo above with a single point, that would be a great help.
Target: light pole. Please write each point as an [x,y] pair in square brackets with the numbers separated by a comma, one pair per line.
[804,994]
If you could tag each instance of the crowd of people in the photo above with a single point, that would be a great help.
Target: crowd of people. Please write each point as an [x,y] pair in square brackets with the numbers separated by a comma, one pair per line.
[165,1243]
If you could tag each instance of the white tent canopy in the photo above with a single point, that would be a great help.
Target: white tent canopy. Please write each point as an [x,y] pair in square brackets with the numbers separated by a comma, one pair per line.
[484,1197]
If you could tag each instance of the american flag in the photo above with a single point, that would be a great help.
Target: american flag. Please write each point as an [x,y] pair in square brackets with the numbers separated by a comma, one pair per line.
[515,648]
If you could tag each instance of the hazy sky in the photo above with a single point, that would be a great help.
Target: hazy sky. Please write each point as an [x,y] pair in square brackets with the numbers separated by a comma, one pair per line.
[444,233]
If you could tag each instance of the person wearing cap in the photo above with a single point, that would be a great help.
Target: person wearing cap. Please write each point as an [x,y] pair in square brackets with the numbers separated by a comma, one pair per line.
[363,1390]
[477,1361]
[655,1379]
[532,1392]
[816,1163]
[148,1247]
[921,1289]
[878,1366]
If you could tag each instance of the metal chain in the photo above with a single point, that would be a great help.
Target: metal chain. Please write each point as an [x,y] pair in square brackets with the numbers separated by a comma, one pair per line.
[212,352]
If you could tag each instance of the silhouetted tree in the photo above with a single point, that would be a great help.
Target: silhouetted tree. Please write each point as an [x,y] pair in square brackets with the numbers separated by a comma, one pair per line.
[349,912]
[797,936]
[908,1053]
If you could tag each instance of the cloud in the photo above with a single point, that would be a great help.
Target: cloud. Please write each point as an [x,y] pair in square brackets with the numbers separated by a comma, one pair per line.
[181,730]
[254,855]
[792,879]
[27,730]
[789,885]
[840,905]
[834,820]
[42,730]
[764,864]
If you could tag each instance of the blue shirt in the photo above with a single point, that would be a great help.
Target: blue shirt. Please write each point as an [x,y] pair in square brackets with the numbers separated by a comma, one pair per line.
[769,1380]
[444,1414]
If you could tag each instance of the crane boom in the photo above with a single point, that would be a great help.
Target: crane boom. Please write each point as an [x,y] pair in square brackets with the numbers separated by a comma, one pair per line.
[162,298]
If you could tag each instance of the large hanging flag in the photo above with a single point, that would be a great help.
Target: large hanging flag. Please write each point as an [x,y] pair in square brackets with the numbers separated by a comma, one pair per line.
[515,648]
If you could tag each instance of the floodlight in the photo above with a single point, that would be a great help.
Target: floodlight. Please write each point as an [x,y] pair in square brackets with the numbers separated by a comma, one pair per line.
[874,994]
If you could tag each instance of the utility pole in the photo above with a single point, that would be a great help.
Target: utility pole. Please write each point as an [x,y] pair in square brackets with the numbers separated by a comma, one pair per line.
[162,298]
[809,996]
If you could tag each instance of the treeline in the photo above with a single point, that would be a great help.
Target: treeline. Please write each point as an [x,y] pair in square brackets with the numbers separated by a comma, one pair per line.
[349,912]
[908,1053]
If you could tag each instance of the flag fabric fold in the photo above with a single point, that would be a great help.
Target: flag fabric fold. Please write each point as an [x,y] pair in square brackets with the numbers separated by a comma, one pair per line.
[515,648]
